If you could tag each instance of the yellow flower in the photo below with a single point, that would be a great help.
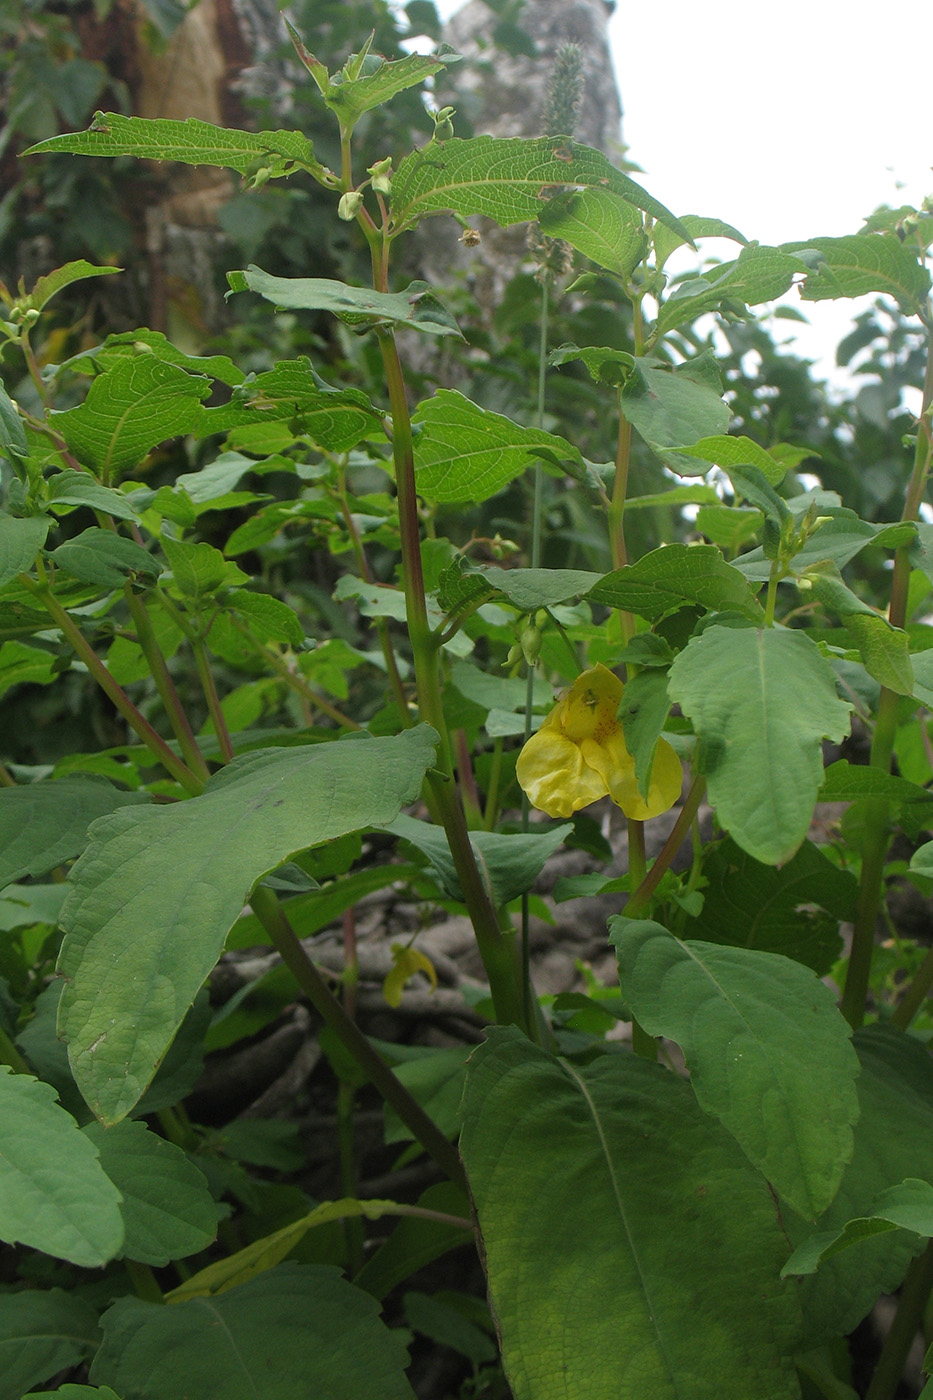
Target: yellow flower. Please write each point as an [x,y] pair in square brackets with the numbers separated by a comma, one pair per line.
[579,755]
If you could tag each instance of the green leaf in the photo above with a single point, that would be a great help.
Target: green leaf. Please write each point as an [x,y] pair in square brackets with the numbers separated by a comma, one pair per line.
[74,1392]
[848,782]
[25,665]
[885,649]
[758,274]
[724,451]
[893,1141]
[509,864]
[268,618]
[21,905]
[768,1051]
[601,225]
[20,542]
[144,926]
[863,263]
[510,179]
[760,702]
[199,570]
[291,392]
[605,365]
[124,344]
[665,242]
[529,589]
[908,1206]
[560,1155]
[13,440]
[130,409]
[796,910]
[418,307]
[295,1321]
[47,287]
[729,527]
[42,1332]
[190,142]
[350,97]
[71,488]
[435,1079]
[167,1210]
[665,579]
[54,1195]
[44,824]
[415,1242]
[309,913]
[675,406]
[465,453]
[101,557]
[643,711]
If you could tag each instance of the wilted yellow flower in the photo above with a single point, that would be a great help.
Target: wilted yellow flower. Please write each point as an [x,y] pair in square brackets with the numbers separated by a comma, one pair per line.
[406,961]
[579,755]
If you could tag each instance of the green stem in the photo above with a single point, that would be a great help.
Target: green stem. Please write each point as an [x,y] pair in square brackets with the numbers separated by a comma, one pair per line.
[773,578]
[644,893]
[914,997]
[495,949]
[616,512]
[6,777]
[143,1281]
[295,681]
[140,726]
[214,708]
[906,1325]
[270,914]
[491,813]
[158,668]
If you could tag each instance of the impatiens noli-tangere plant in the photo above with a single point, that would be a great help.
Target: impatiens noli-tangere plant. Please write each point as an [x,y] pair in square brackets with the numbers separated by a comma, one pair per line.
[694,1184]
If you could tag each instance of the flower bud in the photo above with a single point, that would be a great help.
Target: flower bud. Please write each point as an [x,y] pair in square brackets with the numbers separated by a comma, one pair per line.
[382,176]
[350,205]
[531,644]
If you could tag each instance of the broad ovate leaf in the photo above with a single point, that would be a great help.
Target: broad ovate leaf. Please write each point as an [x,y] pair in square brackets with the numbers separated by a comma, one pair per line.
[623,1233]
[296,1329]
[54,1194]
[769,1053]
[157,890]
[761,702]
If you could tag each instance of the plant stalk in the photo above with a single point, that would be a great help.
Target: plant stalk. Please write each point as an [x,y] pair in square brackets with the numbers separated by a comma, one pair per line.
[906,1325]
[270,914]
[145,635]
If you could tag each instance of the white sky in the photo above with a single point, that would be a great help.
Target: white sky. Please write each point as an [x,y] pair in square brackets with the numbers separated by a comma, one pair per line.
[789,119]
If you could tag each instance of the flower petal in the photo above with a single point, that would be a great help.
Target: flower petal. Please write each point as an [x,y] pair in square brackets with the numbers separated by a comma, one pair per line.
[663,790]
[552,772]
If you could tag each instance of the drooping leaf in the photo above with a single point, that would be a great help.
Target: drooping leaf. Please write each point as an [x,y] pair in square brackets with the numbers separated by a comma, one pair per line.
[509,864]
[101,557]
[44,824]
[191,142]
[604,364]
[129,409]
[665,579]
[601,225]
[54,1194]
[45,288]
[768,1051]
[643,711]
[862,263]
[697,226]
[292,392]
[167,1210]
[758,274]
[725,451]
[123,344]
[761,702]
[885,649]
[71,488]
[467,453]
[25,665]
[908,1206]
[559,1154]
[296,1321]
[144,925]
[418,307]
[199,570]
[893,1141]
[509,179]
[796,910]
[529,589]
[675,406]
[42,1332]
[416,1242]
[13,441]
[20,542]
